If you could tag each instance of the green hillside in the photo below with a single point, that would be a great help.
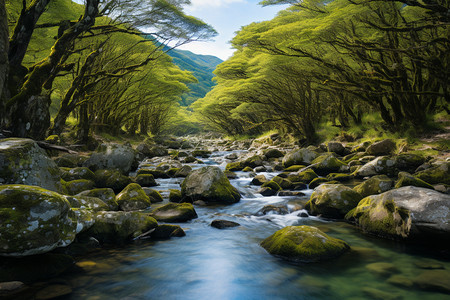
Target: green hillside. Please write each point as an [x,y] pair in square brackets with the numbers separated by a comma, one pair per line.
[202,67]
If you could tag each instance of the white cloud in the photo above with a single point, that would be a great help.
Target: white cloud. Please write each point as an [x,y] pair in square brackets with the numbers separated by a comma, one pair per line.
[198,4]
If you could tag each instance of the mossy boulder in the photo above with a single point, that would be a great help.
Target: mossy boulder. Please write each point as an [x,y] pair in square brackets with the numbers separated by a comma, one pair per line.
[210,185]
[174,212]
[146,180]
[113,156]
[375,185]
[294,168]
[317,181]
[85,202]
[154,195]
[406,179]
[22,161]
[119,227]
[437,174]
[305,176]
[253,162]
[341,177]
[381,165]
[78,173]
[111,179]
[77,186]
[259,180]
[175,196]
[201,153]
[183,171]
[107,195]
[234,166]
[247,169]
[384,147]
[132,198]
[304,244]
[167,231]
[405,213]
[272,185]
[34,220]
[336,147]
[332,200]
[273,153]
[327,163]
[302,156]
[157,173]
[409,162]
[271,209]
[284,183]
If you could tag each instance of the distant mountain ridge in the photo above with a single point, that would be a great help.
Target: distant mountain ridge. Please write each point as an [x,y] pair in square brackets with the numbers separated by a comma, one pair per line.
[201,66]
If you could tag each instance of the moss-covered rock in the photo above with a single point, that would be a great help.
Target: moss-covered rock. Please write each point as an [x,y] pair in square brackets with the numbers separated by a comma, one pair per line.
[437,174]
[146,180]
[174,212]
[78,173]
[85,202]
[113,156]
[253,162]
[34,220]
[247,169]
[133,198]
[157,173]
[341,177]
[434,280]
[302,156]
[267,191]
[22,161]
[384,147]
[77,186]
[327,163]
[273,153]
[271,209]
[336,147]
[409,162]
[272,185]
[381,165]
[201,153]
[183,171]
[111,179]
[210,185]
[294,168]
[175,196]
[154,195]
[404,213]
[234,166]
[119,227]
[305,176]
[317,181]
[332,200]
[374,185]
[406,179]
[105,194]
[167,231]
[304,244]
[259,180]
[284,183]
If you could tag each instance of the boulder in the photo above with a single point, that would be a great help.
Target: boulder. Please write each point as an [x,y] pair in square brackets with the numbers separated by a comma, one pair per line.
[284,183]
[111,179]
[210,185]
[253,162]
[341,177]
[317,181]
[201,153]
[167,231]
[380,165]
[34,220]
[78,173]
[157,173]
[105,194]
[434,280]
[384,147]
[437,174]
[154,195]
[302,156]
[267,191]
[336,147]
[77,186]
[273,210]
[258,180]
[305,176]
[405,213]
[183,171]
[332,200]
[222,224]
[409,162]
[132,198]
[119,227]
[175,196]
[375,185]
[113,156]
[174,212]
[272,185]
[304,244]
[234,166]
[327,163]
[406,179]
[22,161]
[85,202]
[273,153]
[156,151]
[146,180]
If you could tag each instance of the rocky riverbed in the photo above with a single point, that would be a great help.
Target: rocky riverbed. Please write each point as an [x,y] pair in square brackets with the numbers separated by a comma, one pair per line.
[134,221]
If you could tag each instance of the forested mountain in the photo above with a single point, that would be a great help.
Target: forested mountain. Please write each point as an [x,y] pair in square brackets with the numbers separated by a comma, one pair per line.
[202,67]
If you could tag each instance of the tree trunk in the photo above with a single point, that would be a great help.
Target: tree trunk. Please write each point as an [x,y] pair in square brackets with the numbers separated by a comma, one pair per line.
[4,43]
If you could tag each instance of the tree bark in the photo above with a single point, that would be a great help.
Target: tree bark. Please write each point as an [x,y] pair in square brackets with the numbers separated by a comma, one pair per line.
[4,43]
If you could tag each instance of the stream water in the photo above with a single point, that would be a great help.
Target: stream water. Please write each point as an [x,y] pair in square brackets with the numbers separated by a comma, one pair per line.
[209,263]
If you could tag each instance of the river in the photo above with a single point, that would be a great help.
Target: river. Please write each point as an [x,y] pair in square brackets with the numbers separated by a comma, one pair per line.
[209,263]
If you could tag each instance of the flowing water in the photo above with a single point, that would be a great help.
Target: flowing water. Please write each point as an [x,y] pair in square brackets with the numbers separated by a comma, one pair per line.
[209,263]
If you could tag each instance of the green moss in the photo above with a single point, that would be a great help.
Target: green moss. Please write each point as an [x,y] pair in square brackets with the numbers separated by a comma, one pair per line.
[339,177]
[304,244]
[247,169]
[283,182]
[105,194]
[234,166]
[317,181]
[74,187]
[146,180]
[326,164]
[175,196]
[174,212]
[436,175]
[294,168]
[306,176]
[132,198]
[406,179]
[375,185]
[272,185]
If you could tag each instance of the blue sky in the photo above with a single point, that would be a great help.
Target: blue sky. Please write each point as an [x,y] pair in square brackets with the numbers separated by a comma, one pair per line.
[227,17]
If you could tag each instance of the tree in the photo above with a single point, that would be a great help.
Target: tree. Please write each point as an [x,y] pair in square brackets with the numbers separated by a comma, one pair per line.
[4,64]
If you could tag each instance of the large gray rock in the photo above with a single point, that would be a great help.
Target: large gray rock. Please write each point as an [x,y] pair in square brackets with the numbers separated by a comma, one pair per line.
[210,185]
[113,156]
[384,147]
[174,212]
[132,198]
[380,165]
[22,161]
[302,156]
[408,212]
[34,220]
